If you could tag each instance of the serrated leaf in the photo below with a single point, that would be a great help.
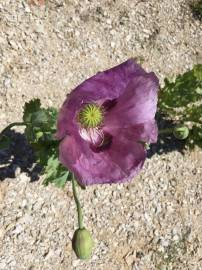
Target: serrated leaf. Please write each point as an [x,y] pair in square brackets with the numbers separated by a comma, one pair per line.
[53,114]
[40,117]
[61,181]
[181,100]
[31,107]
[55,173]
[182,91]
[195,137]
[43,152]
[40,132]
[194,114]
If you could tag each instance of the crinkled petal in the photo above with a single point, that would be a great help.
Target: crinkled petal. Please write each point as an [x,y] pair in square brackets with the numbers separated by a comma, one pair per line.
[119,163]
[137,104]
[106,85]
[144,132]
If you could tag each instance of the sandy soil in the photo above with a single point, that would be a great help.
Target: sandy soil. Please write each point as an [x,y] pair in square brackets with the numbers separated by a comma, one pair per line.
[153,222]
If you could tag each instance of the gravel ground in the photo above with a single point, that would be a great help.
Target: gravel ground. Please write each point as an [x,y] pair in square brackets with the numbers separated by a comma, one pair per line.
[153,222]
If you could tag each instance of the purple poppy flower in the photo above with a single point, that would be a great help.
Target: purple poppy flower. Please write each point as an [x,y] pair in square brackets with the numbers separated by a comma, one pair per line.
[104,123]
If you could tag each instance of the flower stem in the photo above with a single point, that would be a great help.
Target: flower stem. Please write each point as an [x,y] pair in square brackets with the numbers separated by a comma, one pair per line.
[12,125]
[78,205]
[166,131]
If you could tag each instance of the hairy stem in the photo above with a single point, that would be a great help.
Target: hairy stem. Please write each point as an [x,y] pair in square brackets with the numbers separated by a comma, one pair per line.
[78,205]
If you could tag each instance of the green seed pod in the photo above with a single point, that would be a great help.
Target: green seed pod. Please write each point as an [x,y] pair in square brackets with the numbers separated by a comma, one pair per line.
[82,243]
[181,132]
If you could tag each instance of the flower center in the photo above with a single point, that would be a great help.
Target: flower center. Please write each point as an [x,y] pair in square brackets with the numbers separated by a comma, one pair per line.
[90,116]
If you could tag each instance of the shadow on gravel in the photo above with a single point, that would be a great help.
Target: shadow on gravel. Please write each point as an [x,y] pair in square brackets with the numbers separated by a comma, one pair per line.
[166,143]
[19,155]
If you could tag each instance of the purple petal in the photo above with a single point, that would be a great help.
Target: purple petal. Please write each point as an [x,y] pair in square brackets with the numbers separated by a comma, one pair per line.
[106,85]
[119,163]
[112,153]
[137,104]
[127,154]
[89,167]
[143,132]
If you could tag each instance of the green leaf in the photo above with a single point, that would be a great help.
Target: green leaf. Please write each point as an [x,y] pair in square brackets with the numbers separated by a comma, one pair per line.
[181,101]
[53,114]
[183,91]
[198,71]
[61,181]
[199,90]
[196,8]
[194,114]
[39,117]
[40,132]
[30,108]
[195,137]
[55,173]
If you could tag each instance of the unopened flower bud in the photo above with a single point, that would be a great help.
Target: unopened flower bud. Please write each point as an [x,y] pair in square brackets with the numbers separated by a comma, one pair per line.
[181,132]
[82,243]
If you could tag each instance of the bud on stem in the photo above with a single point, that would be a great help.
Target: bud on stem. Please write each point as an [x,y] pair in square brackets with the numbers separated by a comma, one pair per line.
[181,132]
[82,241]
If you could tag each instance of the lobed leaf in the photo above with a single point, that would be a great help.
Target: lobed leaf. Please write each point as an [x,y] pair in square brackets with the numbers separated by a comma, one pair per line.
[55,173]
[31,107]
[183,91]
[40,132]
[181,100]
